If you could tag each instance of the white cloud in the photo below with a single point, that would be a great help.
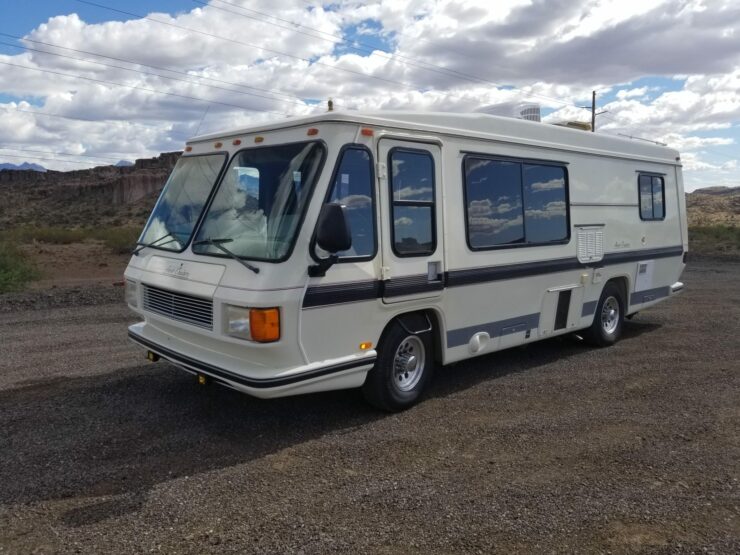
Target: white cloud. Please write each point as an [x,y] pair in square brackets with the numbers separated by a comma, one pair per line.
[446,55]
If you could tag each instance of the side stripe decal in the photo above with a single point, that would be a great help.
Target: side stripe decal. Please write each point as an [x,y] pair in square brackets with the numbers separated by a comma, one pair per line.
[589,308]
[337,293]
[461,336]
[648,295]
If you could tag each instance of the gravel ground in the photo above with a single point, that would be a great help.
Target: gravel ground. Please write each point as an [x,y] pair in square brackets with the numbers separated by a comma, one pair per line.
[551,448]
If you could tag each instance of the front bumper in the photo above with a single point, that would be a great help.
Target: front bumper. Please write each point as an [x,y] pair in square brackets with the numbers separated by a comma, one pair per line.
[345,373]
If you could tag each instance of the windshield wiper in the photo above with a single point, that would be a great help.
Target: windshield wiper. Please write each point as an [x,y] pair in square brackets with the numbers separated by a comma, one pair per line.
[218,243]
[154,243]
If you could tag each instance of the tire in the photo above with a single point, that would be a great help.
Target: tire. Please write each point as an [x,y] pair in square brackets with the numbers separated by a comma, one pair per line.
[402,370]
[609,318]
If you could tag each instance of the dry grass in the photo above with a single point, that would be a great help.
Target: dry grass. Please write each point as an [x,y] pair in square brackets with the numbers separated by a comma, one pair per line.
[119,239]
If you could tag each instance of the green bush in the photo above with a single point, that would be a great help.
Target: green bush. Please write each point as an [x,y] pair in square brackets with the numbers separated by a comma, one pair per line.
[119,239]
[15,270]
[714,239]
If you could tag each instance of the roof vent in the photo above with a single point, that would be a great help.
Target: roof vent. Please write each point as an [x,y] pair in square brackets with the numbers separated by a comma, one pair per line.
[519,110]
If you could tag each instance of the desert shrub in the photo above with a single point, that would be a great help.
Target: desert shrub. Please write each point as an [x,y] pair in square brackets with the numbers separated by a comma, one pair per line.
[15,270]
[714,239]
[120,240]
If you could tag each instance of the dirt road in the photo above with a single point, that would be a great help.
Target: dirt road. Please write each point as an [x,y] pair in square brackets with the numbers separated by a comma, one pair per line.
[552,448]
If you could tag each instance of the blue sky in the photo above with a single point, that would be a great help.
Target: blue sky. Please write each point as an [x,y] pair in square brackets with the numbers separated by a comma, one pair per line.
[677,83]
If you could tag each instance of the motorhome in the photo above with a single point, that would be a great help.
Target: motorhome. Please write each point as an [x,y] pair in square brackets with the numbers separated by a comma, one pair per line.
[348,250]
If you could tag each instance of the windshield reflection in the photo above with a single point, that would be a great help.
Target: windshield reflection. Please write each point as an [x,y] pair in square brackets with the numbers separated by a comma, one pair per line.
[182,200]
[261,201]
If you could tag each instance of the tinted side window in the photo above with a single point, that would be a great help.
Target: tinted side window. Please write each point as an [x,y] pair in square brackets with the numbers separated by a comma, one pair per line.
[494,202]
[545,203]
[652,194]
[658,193]
[412,194]
[353,187]
[646,197]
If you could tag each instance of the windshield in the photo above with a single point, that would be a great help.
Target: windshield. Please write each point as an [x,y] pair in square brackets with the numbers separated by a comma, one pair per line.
[181,202]
[261,201]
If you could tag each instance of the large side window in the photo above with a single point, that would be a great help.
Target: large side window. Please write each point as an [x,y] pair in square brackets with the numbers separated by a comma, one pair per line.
[652,196]
[545,203]
[512,203]
[412,202]
[353,187]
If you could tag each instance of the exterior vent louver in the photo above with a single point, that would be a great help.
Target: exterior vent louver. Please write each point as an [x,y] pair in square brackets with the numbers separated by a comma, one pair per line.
[590,244]
[178,306]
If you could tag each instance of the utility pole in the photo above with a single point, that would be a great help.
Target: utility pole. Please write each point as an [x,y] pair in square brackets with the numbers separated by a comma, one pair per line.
[594,113]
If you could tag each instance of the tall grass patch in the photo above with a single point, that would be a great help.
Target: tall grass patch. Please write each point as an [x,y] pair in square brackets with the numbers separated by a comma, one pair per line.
[15,270]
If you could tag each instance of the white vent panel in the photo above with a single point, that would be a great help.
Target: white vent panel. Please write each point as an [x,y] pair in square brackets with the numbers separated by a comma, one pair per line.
[590,244]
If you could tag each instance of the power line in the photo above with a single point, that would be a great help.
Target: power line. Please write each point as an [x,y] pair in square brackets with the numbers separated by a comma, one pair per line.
[428,66]
[329,38]
[2,154]
[271,50]
[133,62]
[138,88]
[138,71]
[13,148]
[98,121]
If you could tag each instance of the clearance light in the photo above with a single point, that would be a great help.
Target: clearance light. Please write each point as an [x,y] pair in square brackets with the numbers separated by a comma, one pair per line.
[202,380]
[312,131]
[188,149]
[365,345]
[236,142]
[367,132]
[264,324]
[259,139]
[218,145]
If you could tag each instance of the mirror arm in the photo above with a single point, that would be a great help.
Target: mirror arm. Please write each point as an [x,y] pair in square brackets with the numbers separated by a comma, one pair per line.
[319,270]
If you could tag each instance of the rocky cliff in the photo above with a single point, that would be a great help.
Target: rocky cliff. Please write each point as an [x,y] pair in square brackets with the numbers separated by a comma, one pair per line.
[105,194]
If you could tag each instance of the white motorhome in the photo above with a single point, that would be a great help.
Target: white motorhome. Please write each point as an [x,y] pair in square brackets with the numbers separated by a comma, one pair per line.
[349,250]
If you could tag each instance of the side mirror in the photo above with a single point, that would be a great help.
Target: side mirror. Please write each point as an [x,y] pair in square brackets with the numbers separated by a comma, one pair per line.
[333,234]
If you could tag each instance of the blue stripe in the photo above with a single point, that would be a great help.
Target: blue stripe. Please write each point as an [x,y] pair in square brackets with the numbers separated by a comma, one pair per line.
[461,336]
[589,308]
[640,297]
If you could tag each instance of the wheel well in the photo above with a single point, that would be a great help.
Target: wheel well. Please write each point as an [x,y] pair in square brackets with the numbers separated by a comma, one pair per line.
[623,285]
[418,321]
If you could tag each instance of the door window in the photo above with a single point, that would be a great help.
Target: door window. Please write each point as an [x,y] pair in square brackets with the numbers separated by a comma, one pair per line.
[412,202]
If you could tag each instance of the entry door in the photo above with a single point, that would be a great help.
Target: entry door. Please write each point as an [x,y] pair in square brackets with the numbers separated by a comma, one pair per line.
[411,208]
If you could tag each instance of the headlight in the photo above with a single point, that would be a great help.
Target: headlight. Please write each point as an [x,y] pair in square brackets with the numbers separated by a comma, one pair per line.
[254,324]
[237,322]
[132,290]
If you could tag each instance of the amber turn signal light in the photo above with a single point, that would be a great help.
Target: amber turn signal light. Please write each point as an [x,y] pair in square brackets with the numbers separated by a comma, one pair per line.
[264,324]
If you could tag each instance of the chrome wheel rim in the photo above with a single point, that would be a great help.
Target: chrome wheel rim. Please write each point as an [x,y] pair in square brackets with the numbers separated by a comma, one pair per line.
[610,315]
[408,363]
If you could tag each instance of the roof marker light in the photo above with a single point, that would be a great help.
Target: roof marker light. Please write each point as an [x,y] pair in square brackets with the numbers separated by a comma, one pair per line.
[367,132]
[259,139]
[236,142]
[312,131]
[188,149]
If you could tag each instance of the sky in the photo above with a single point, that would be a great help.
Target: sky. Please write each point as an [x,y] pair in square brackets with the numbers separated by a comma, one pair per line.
[91,82]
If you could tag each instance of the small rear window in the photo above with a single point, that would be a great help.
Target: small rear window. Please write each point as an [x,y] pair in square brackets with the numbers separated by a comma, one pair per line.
[651,190]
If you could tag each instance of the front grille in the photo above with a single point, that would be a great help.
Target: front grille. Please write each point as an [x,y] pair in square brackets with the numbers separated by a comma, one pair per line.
[178,306]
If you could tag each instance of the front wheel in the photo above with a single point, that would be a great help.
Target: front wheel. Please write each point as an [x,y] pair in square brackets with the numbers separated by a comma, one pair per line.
[402,370]
[609,318]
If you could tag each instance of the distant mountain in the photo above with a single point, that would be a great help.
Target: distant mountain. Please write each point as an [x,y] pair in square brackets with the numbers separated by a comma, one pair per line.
[714,205]
[124,163]
[23,166]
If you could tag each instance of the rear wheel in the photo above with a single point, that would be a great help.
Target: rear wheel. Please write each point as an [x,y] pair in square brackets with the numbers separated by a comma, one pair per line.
[402,370]
[609,318]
